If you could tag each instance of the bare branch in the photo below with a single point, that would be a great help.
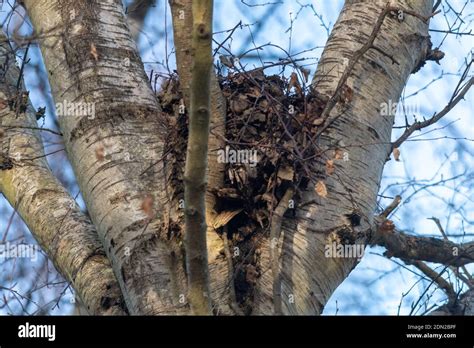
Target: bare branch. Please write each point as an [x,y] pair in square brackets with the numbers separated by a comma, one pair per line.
[436,278]
[422,124]
[391,207]
[196,160]
[404,246]
[181,11]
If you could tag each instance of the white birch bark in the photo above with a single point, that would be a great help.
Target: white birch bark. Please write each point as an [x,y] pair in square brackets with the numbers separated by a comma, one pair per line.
[92,58]
[308,277]
[85,56]
[53,217]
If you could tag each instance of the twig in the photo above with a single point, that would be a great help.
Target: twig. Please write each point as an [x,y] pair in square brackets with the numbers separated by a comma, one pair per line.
[35,128]
[438,279]
[230,269]
[422,124]
[227,38]
[396,201]
[24,61]
[441,229]
[435,7]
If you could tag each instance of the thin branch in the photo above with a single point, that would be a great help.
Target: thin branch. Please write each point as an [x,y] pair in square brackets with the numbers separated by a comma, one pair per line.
[196,160]
[396,201]
[438,279]
[230,266]
[228,37]
[275,230]
[422,124]
[435,7]
[35,128]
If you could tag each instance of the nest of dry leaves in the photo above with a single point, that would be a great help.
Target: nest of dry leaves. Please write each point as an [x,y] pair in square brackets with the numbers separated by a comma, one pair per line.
[271,124]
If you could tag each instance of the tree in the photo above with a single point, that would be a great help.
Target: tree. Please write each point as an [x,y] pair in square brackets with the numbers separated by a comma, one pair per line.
[313,187]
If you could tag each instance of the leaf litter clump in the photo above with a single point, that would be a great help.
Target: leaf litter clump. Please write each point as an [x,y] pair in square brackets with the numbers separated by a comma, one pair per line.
[270,146]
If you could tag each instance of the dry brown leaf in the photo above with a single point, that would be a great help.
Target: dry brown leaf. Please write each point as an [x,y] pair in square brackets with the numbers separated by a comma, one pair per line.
[294,82]
[100,153]
[396,154]
[3,104]
[286,173]
[254,92]
[261,215]
[94,52]
[339,154]
[321,189]
[318,121]
[224,217]
[305,73]
[147,206]
[330,167]
[239,105]
[251,274]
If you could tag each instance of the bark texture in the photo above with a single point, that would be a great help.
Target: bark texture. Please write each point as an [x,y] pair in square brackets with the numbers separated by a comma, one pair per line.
[308,277]
[116,153]
[55,220]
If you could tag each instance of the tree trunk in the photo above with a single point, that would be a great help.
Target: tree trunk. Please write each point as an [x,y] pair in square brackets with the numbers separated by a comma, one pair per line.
[55,220]
[308,277]
[116,153]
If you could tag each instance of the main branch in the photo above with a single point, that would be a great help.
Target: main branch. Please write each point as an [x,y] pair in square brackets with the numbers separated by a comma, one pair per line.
[53,217]
[404,246]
